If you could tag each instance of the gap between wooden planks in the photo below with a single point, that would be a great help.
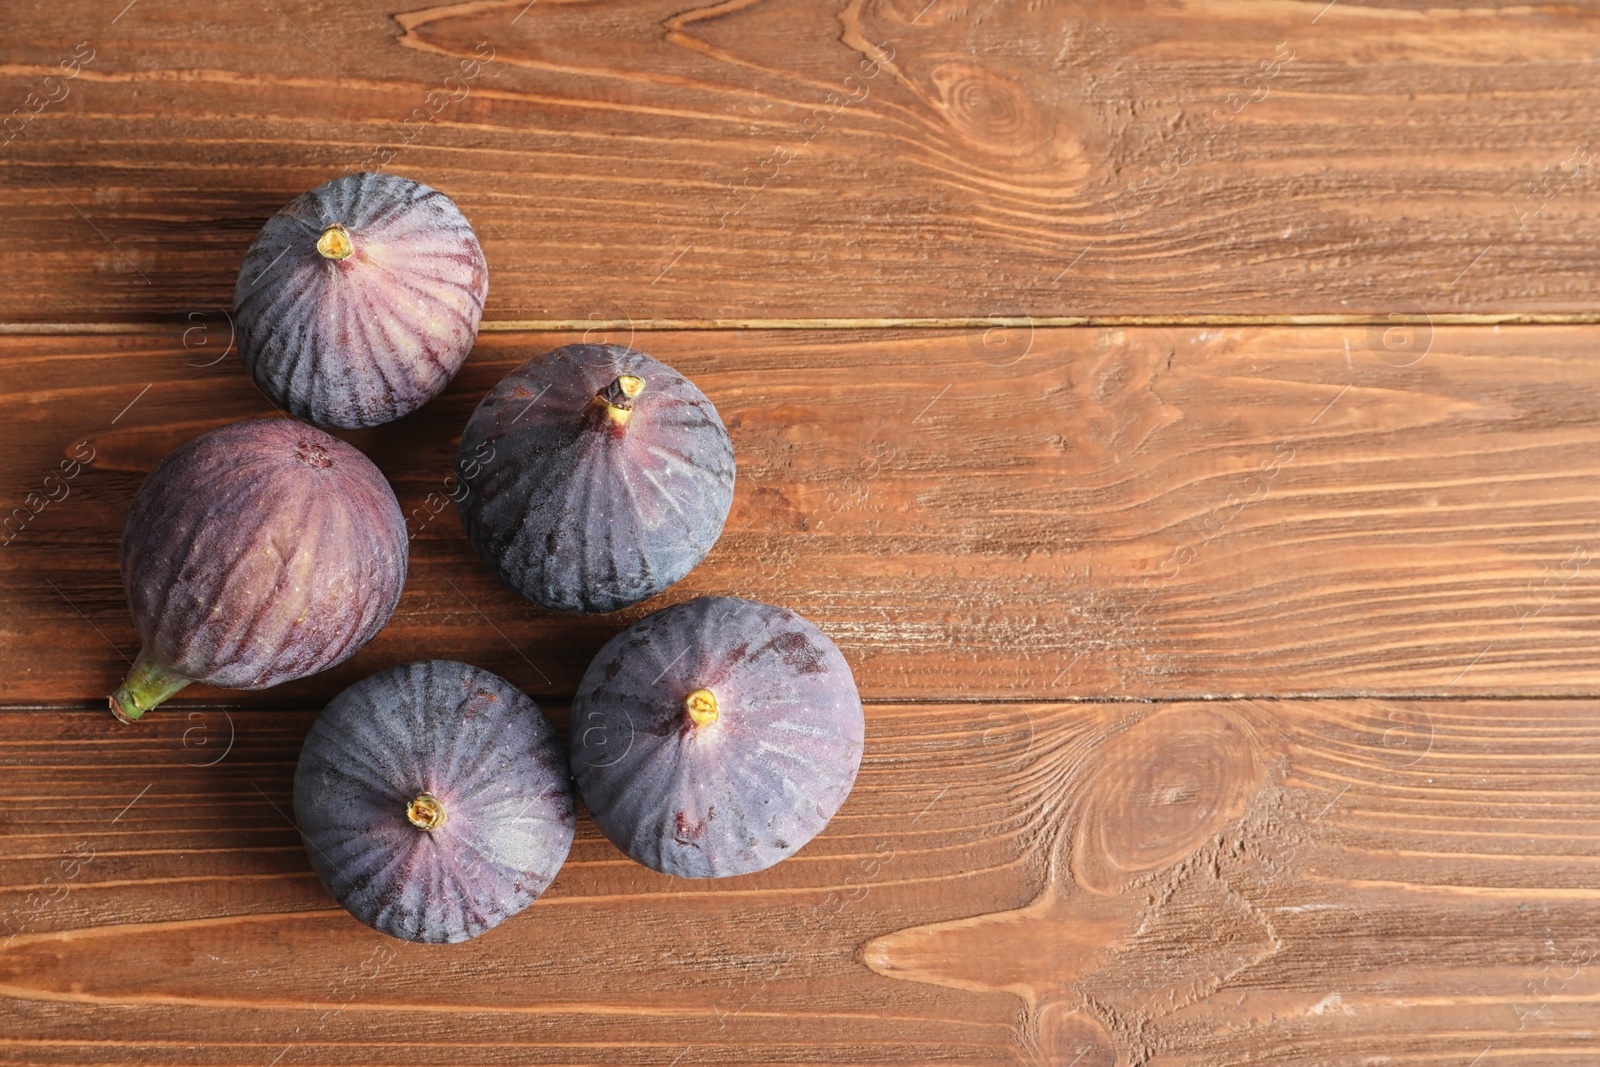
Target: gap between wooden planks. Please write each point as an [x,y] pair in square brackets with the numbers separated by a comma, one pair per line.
[1395,319]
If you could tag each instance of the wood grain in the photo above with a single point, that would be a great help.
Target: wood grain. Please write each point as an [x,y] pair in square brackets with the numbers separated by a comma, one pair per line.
[849,158]
[1125,513]
[1230,686]
[1303,883]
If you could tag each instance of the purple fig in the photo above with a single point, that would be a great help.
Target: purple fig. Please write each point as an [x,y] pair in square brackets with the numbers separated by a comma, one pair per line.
[716,737]
[434,801]
[359,301]
[596,477]
[254,554]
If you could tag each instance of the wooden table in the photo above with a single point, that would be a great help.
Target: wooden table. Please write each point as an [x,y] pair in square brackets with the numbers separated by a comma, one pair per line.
[1182,415]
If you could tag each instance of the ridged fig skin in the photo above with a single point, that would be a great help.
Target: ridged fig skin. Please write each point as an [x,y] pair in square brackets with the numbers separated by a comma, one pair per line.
[260,552]
[477,744]
[737,795]
[367,339]
[580,515]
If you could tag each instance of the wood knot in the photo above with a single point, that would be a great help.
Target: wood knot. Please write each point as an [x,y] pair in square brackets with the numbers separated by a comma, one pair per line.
[1065,1036]
[1162,789]
[988,108]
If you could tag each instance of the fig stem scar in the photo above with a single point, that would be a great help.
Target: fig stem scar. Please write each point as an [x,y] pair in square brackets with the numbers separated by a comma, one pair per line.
[701,706]
[335,243]
[147,685]
[617,398]
[425,812]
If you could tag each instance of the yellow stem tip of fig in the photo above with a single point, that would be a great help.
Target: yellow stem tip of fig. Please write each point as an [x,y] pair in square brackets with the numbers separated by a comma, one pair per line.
[335,243]
[425,812]
[701,706]
[618,398]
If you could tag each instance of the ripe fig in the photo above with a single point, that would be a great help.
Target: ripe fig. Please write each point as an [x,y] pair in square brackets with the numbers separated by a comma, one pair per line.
[360,300]
[254,554]
[716,737]
[434,801]
[608,477]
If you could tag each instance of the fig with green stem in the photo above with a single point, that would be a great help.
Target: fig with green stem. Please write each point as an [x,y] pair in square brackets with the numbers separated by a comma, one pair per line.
[256,553]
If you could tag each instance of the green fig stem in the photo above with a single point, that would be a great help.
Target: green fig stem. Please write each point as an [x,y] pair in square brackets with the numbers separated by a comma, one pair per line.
[147,686]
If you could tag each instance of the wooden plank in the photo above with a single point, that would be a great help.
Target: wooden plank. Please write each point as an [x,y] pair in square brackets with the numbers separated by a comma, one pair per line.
[1141,513]
[650,160]
[1299,882]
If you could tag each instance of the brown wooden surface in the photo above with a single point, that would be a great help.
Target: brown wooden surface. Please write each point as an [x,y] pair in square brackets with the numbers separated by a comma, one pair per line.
[1231,672]
[1299,883]
[652,159]
[1064,513]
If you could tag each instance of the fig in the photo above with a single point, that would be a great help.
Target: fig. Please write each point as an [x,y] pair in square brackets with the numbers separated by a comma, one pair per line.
[716,737]
[254,554]
[360,300]
[434,801]
[596,477]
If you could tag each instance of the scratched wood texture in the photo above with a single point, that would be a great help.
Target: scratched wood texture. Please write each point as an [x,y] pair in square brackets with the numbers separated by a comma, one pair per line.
[1304,883]
[824,158]
[1231,687]
[1066,513]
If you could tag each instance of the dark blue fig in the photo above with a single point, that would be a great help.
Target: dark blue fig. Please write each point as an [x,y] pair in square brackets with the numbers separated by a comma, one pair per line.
[359,301]
[434,801]
[254,554]
[716,737]
[597,477]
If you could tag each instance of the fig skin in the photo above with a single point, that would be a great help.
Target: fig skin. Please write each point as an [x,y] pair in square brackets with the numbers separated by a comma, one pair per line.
[359,301]
[584,496]
[434,801]
[254,554]
[716,737]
